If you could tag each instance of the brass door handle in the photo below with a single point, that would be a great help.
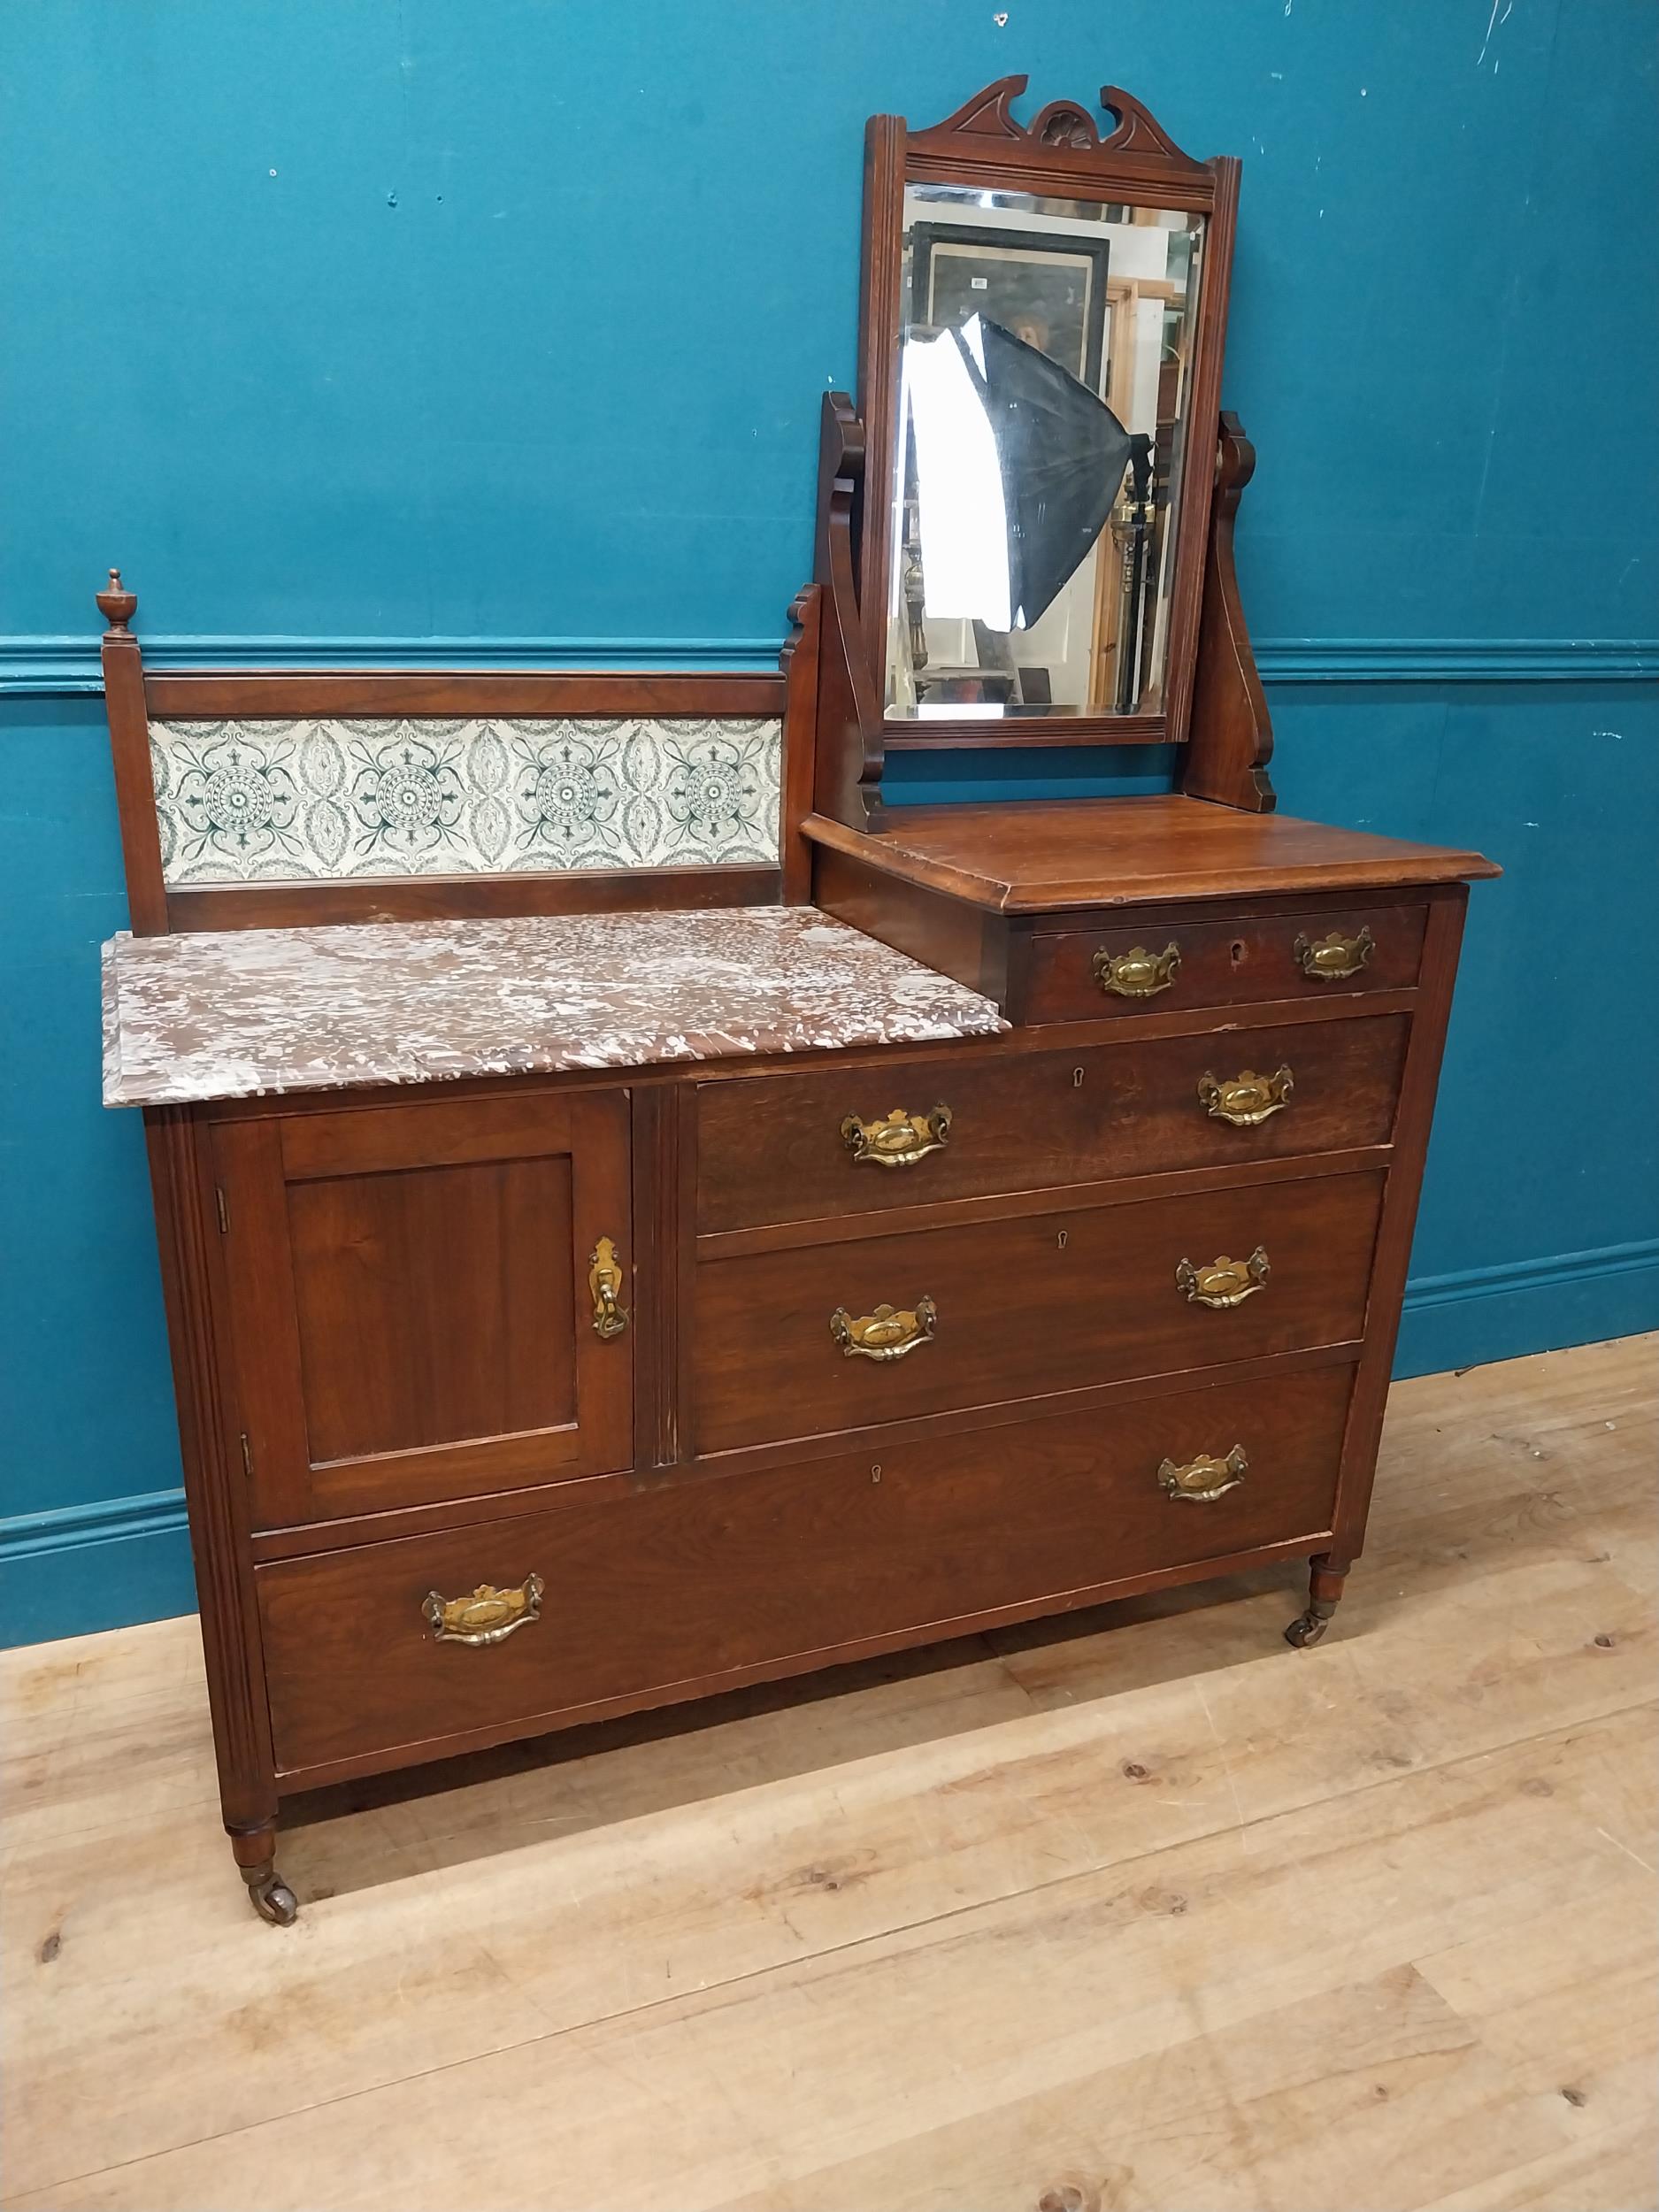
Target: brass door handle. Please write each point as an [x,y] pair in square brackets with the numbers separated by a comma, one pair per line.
[1205,1478]
[1247,1100]
[488,1617]
[604,1282]
[1331,959]
[900,1140]
[1224,1282]
[887,1333]
[1137,973]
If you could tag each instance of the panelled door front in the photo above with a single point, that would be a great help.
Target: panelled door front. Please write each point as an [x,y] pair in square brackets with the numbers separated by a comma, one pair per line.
[427,1301]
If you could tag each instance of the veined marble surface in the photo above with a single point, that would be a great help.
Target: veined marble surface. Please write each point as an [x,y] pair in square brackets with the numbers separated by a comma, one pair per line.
[241,1013]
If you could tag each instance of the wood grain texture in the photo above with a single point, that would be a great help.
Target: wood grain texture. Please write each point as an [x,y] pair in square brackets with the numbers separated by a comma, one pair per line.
[772,1150]
[468,898]
[655,1147]
[943,732]
[409,1303]
[216,1492]
[435,1305]
[302,693]
[799,662]
[846,773]
[135,787]
[1197,491]
[386,1367]
[944,933]
[801,1948]
[1230,734]
[394,1352]
[1065,147]
[1222,963]
[1044,855]
[294,1107]
[1050,1302]
[766,1570]
[1419,1083]
[880,287]
[1017,1205]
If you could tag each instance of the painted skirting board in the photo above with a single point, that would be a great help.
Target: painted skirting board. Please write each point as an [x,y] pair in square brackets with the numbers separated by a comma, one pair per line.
[47,667]
[122,1560]
[84,1567]
[1481,1314]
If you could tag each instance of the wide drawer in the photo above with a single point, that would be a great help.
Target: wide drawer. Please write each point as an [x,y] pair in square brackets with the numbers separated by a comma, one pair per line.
[649,1596]
[1006,1309]
[1091,975]
[910,1132]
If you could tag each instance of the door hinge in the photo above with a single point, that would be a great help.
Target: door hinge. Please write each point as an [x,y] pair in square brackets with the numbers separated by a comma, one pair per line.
[224,1211]
[247,1456]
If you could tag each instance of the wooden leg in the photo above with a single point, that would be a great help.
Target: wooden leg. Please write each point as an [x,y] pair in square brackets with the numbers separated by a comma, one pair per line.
[267,1893]
[1324,1587]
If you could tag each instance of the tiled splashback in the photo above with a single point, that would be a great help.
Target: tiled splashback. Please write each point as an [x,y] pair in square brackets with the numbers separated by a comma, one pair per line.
[292,802]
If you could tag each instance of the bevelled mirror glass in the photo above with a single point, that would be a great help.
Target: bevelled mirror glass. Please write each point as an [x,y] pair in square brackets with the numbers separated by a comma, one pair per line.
[1045,356]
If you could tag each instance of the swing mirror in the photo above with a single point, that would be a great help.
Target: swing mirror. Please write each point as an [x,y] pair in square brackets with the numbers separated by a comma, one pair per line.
[1043,318]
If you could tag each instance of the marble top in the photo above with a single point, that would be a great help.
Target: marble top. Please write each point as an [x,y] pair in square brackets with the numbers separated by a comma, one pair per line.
[242,1013]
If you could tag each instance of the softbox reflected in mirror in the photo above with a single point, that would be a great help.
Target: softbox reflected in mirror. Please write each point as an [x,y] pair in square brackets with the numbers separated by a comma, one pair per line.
[1016,468]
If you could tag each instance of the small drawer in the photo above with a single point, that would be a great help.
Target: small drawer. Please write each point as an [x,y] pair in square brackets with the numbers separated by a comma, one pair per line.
[877,1140]
[815,1338]
[675,1589]
[1151,966]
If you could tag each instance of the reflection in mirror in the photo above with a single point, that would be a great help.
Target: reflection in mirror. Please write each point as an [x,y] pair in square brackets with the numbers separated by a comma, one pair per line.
[1043,387]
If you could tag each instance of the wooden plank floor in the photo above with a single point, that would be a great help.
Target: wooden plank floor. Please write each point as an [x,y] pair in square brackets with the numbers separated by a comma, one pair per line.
[1142,1910]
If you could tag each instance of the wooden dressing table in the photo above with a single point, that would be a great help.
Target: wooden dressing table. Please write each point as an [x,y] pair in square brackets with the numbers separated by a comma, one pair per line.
[640,1216]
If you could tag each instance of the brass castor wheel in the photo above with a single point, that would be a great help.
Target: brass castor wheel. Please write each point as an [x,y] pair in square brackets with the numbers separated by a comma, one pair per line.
[271,1897]
[1308,1627]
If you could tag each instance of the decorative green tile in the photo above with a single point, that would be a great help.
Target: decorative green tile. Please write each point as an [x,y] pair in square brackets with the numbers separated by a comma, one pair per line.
[291,802]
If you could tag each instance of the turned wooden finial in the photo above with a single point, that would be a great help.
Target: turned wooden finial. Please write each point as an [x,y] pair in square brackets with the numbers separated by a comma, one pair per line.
[118,605]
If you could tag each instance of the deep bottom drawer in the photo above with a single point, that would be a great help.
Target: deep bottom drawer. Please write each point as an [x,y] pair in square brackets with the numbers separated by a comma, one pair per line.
[647,1596]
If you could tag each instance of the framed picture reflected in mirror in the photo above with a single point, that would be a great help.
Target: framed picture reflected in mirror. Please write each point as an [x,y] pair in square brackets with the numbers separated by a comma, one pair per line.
[1050,291]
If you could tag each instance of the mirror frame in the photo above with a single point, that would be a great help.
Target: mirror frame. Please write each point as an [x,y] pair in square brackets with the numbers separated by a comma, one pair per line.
[1060,153]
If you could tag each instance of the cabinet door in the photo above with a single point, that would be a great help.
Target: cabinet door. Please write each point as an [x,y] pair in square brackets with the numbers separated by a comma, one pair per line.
[410,1303]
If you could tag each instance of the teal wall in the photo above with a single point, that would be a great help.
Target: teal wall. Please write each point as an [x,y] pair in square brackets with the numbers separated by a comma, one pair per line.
[376,327]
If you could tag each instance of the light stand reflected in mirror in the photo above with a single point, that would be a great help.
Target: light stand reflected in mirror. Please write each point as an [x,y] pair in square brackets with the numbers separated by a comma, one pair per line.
[1012,469]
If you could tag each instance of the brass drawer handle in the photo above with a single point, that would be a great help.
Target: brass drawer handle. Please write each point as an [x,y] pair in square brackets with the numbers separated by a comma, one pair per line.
[1205,1478]
[1248,1100]
[488,1617]
[1137,973]
[1224,1282]
[1332,959]
[887,1333]
[604,1282]
[900,1140]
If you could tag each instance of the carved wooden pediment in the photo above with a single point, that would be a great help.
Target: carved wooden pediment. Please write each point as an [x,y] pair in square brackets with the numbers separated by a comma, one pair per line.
[1064,127]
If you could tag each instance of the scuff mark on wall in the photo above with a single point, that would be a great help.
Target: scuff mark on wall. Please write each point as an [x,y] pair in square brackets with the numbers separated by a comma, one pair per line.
[1494,22]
